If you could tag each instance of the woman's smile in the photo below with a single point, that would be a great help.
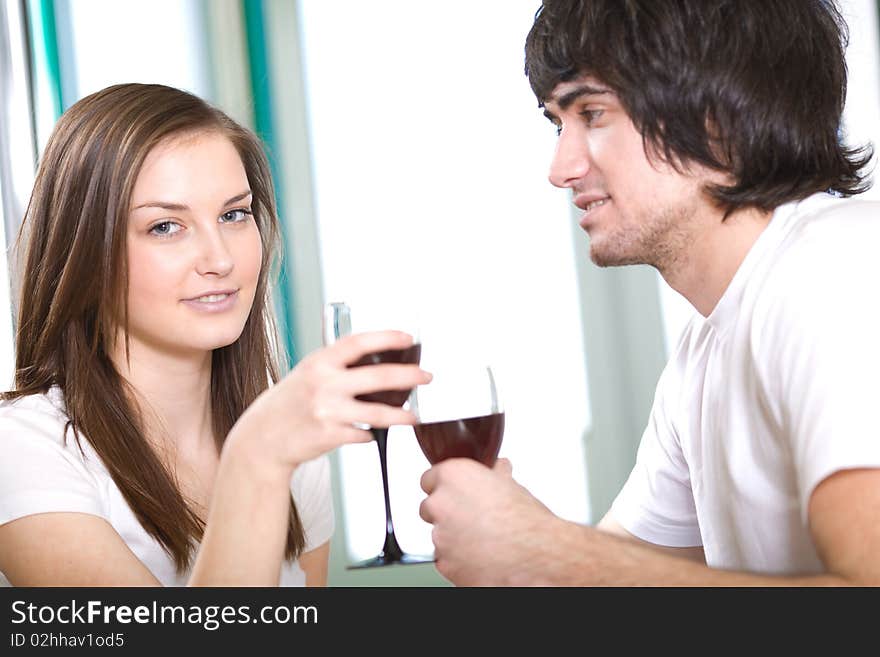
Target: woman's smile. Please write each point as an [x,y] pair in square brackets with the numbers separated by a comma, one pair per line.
[213,302]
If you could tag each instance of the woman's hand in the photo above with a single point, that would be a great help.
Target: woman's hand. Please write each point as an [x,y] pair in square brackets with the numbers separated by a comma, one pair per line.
[313,409]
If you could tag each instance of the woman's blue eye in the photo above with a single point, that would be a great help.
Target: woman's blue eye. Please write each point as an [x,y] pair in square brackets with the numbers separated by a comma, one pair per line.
[235,216]
[165,228]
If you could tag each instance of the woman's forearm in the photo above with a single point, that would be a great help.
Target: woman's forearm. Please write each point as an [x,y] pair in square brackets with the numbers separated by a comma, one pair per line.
[246,534]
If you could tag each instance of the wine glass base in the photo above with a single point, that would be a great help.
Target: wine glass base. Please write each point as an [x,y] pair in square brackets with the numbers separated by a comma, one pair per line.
[382,560]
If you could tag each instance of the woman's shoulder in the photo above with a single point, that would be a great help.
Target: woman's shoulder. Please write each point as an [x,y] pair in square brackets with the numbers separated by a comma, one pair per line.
[38,413]
[38,424]
[43,467]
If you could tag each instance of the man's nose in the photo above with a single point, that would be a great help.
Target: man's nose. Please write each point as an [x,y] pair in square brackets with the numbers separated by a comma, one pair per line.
[214,257]
[571,160]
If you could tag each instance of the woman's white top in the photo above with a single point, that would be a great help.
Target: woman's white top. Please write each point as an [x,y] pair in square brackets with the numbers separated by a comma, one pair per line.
[42,470]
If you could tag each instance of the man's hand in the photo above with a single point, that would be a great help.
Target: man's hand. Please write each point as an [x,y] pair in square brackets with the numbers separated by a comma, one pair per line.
[487,528]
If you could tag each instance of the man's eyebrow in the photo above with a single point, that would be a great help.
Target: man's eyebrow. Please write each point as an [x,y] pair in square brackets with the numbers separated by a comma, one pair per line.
[565,100]
[179,207]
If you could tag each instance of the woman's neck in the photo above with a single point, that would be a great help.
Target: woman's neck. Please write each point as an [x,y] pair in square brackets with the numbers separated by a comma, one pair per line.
[174,394]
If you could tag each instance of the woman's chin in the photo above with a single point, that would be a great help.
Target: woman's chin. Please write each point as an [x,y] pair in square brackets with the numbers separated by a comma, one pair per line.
[196,345]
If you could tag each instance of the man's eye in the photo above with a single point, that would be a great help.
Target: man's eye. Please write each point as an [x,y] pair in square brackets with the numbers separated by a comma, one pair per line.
[591,115]
[165,228]
[235,216]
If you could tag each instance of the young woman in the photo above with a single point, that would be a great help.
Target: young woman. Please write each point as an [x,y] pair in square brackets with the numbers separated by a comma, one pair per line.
[144,442]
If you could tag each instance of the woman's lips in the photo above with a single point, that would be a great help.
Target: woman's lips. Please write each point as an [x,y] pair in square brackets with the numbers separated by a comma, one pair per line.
[213,303]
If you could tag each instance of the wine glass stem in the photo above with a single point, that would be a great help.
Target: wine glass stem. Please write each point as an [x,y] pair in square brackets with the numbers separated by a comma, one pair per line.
[391,550]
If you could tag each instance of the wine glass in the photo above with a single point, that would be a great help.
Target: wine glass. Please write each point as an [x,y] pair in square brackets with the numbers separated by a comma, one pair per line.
[337,324]
[459,413]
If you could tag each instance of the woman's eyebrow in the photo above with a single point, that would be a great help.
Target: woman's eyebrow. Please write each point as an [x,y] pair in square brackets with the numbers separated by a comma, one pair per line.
[180,207]
[239,197]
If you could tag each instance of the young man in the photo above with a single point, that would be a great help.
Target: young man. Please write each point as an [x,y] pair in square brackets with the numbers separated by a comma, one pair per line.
[703,138]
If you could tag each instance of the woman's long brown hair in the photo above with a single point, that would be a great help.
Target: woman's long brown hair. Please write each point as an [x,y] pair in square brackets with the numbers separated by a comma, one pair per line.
[74,290]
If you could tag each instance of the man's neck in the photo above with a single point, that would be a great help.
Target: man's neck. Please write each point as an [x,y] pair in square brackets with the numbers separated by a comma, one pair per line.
[706,270]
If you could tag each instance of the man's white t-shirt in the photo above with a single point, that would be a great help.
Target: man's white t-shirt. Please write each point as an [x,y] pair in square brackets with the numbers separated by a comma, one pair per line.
[778,388]
[42,471]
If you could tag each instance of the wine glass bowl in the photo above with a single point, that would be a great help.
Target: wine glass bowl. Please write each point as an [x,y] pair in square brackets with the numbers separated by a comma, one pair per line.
[459,414]
[477,438]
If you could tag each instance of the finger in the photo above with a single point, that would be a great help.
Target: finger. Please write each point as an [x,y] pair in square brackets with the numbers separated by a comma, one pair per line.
[429,481]
[383,377]
[425,513]
[383,415]
[347,434]
[503,466]
[349,349]
[345,411]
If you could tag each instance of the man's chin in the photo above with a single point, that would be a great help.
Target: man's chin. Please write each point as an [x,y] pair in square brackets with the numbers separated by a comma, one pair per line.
[608,258]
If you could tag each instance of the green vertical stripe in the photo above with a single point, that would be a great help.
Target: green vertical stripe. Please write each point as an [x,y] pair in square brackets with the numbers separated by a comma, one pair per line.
[44,35]
[261,90]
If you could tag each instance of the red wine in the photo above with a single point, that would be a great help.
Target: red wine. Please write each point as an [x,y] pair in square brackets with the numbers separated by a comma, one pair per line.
[409,356]
[474,437]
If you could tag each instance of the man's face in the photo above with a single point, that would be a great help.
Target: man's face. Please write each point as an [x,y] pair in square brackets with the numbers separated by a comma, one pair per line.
[636,209]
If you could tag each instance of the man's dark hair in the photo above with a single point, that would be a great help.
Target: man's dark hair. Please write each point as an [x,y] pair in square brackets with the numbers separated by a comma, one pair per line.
[754,88]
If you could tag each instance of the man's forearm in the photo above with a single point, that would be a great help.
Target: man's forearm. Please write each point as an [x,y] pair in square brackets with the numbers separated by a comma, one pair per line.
[585,556]
[610,525]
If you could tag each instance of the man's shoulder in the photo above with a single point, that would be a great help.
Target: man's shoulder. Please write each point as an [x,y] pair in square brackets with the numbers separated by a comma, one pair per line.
[825,264]
[825,244]
[838,222]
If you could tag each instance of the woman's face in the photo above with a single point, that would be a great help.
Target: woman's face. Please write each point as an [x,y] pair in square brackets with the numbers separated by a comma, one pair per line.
[194,251]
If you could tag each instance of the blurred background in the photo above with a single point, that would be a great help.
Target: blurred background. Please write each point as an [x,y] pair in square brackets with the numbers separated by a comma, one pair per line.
[411,165]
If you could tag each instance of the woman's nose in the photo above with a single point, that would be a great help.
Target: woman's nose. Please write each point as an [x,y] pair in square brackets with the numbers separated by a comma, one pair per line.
[214,256]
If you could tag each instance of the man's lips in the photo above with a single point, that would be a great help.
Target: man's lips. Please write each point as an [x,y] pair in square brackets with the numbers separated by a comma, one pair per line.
[590,204]
[587,202]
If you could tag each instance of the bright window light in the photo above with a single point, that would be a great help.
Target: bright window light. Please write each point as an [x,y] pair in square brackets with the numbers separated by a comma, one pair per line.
[115,41]
[431,160]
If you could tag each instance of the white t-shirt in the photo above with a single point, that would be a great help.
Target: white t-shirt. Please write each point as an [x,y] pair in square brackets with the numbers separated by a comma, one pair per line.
[41,471]
[778,388]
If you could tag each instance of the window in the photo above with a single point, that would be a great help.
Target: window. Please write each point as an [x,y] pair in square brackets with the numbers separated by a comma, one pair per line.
[431,188]
[16,162]
[113,41]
